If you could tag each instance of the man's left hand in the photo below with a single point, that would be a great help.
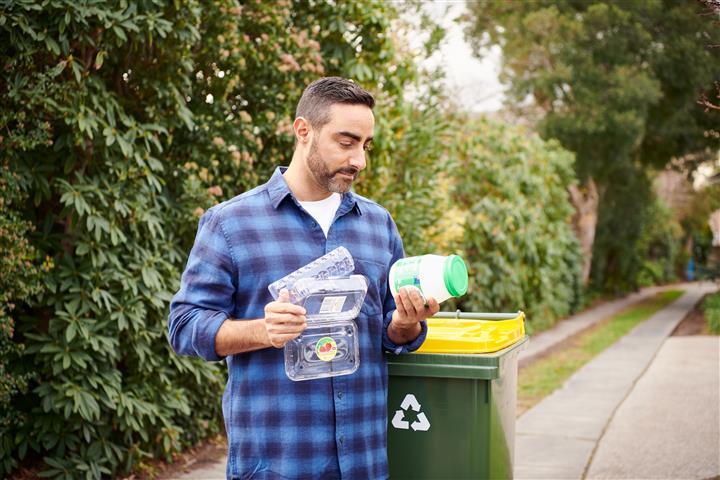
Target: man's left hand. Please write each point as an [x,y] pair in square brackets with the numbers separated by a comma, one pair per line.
[411,310]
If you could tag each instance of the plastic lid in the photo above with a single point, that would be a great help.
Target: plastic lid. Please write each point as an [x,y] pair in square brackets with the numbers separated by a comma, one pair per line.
[456,276]
[451,336]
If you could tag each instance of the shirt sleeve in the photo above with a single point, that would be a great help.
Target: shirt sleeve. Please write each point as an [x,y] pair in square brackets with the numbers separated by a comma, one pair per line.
[207,288]
[389,303]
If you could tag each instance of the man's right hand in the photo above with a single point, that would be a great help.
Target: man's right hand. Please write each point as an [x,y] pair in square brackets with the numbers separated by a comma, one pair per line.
[283,320]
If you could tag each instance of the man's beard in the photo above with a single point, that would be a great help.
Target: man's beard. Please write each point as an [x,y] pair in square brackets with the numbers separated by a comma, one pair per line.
[323,175]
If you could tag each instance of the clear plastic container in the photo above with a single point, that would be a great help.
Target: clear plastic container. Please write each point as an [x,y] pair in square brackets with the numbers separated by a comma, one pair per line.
[323,350]
[337,263]
[331,299]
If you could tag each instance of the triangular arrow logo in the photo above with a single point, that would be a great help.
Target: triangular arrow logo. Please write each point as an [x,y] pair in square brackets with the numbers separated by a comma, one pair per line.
[422,423]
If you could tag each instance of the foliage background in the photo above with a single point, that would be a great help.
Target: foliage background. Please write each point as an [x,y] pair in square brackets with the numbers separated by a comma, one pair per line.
[120,122]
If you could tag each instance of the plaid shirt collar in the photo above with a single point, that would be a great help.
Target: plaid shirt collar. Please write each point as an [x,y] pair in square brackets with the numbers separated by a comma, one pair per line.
[278,190]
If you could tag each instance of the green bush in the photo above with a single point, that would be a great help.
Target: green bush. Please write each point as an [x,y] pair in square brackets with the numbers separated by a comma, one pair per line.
[522,252]
[659,247]
[95,94]
[711,308]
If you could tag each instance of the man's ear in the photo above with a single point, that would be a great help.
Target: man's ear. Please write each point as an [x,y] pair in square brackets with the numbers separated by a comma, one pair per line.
[302,130]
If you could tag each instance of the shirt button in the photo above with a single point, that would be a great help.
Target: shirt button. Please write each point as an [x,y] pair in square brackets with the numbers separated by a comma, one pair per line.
[342,440]
[340,394]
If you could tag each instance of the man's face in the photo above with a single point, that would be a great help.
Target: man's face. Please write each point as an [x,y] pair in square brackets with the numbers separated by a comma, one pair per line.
[337,150]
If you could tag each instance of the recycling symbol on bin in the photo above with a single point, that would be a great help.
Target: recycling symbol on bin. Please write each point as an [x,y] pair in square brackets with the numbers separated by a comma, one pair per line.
[410,403]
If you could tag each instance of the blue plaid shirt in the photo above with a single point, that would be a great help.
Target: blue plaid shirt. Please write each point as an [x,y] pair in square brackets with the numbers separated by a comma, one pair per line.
[277,428]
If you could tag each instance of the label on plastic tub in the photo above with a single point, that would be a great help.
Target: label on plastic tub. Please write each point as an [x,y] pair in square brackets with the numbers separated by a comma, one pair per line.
[407,272]
[326,349]
[332,304]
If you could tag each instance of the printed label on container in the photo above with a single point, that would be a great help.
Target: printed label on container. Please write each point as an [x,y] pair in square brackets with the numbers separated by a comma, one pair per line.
[326,349]
[332,304]
[407,272]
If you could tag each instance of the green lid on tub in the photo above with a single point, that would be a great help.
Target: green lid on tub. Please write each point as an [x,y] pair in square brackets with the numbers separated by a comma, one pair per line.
[456,276]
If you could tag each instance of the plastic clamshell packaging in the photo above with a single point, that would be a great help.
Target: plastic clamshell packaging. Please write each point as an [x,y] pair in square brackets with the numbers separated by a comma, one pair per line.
[337,263]
[331,299]
[323,350]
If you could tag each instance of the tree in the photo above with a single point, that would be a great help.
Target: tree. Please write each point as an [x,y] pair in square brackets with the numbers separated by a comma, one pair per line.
[712,9]
[618,83]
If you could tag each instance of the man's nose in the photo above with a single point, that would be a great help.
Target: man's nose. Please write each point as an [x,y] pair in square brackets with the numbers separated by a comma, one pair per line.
[357,159]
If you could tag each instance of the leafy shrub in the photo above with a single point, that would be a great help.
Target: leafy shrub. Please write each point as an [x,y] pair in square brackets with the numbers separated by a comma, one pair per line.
[659,247]
[522,252]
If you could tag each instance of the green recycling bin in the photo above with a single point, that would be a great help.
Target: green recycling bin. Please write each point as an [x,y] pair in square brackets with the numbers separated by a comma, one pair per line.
[451,410]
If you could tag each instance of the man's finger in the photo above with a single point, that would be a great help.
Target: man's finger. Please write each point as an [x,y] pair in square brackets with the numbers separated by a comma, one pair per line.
[282,338]
[286,318]
[295,330]
[433,306]
[416,300]
[283,307]
[284,295]
[399,304]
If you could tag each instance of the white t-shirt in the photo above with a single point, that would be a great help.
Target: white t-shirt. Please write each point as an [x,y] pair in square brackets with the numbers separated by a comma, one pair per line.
[323,211]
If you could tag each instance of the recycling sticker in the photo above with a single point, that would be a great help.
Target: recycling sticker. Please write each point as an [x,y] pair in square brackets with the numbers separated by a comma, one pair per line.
[421,423]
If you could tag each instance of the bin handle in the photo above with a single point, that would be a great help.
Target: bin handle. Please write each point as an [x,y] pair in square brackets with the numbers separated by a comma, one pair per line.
[458,315]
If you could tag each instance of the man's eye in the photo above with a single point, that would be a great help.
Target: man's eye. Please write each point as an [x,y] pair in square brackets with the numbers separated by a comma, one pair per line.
[346,145]
[368,147]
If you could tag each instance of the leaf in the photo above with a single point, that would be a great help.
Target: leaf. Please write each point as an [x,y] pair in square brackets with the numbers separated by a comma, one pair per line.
[54,463]
[99,59]
[120,33]
[77,71]
[49,473]
[125,146]
[52,45]
[70,332]
[58,69]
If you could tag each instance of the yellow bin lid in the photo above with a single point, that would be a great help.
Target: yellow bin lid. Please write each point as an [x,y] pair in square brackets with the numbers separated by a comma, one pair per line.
[457,333]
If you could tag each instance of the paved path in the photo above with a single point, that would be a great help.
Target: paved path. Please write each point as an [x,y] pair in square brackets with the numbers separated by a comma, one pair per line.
[557,438]
[206,471]
[669,426]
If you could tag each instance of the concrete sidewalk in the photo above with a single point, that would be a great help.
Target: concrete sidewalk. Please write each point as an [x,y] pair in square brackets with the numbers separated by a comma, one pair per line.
[557,438]
[669,426]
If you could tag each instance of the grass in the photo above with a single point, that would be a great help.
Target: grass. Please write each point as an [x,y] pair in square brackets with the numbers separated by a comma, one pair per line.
[711,309]
[542,377]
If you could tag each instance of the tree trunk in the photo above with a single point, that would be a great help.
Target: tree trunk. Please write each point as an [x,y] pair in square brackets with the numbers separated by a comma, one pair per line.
[585,200]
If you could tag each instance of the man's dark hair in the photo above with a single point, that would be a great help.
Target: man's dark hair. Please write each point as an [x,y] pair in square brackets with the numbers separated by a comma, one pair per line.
[314,105]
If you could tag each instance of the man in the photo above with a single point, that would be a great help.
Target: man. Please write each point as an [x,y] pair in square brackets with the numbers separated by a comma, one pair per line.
[325,428]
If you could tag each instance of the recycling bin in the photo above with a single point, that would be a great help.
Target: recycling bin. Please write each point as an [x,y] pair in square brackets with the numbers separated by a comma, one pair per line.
[451,405]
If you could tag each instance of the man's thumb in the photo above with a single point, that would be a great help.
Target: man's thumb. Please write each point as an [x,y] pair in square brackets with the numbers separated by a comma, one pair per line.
[284,295]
